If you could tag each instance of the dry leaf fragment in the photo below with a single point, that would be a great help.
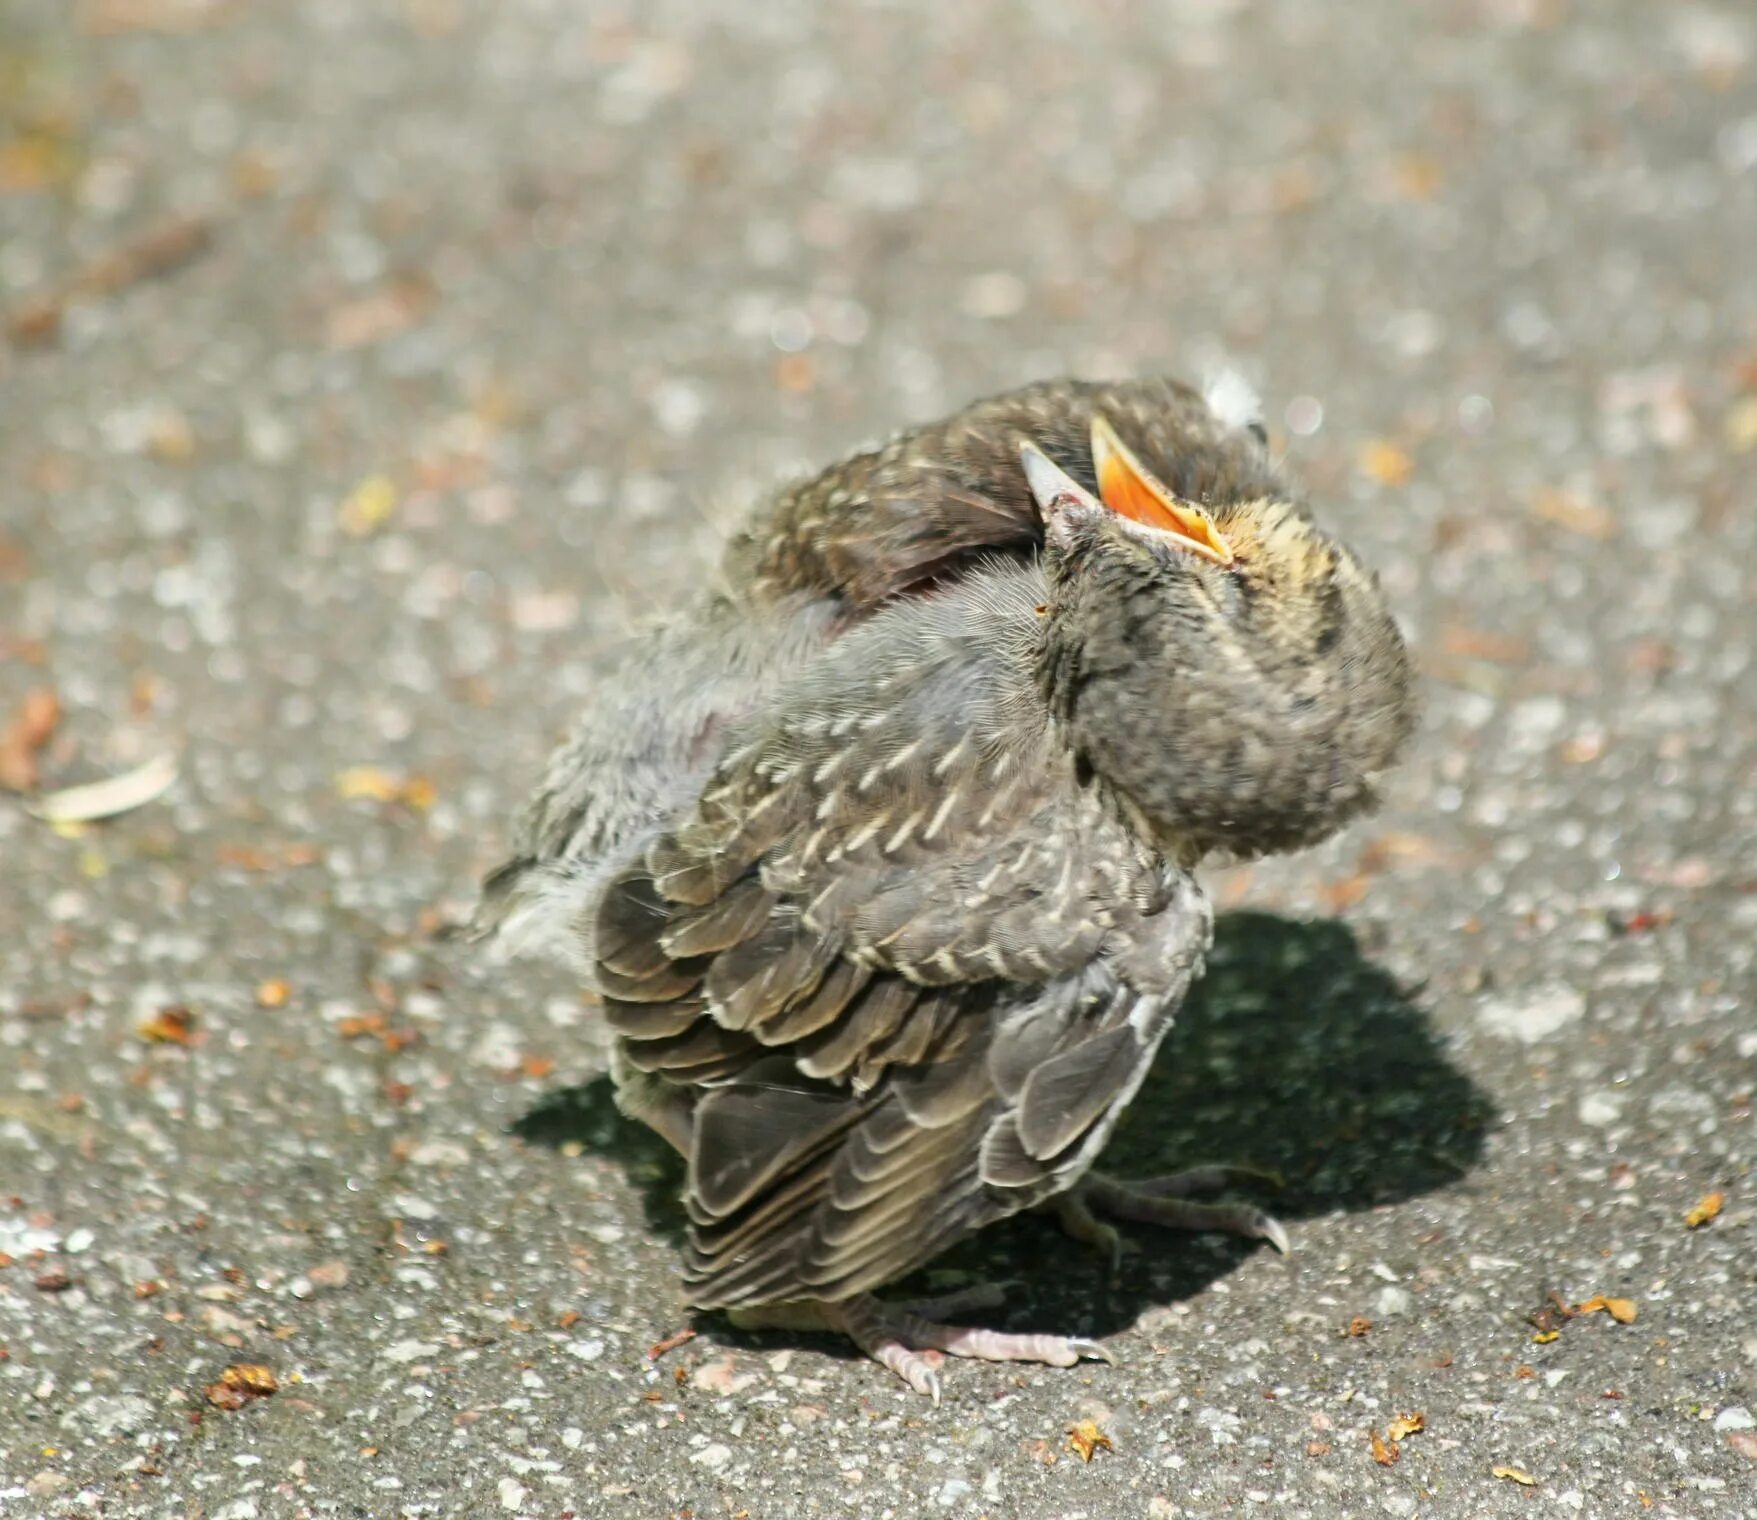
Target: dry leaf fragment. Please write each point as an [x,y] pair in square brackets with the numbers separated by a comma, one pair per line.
[1622,1310]
[247,857]
[1359,1326]
[1577,516]
[241,1383]
[1707,1207]
[32,726]
[356,1025]
[1741,426]
[796,373]
[1583,749]
[1406,1425]
[1386,1455]
[1544,1337]
[1386,463]
[253,1378]
[1417,177]
[1085,1438]
[158,250]
[1514,1475]
[329,1274]
[383,313]
[372,783]
[106,799]
[1482,644]
[174,1025]
[368,507]
[366,781]
[670,1343]
[273,993]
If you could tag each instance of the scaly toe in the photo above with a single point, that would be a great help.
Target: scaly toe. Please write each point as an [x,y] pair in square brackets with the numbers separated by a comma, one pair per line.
[1079,1223]
[1128,1201]
[913,1347]
[1001,1345]
[1206,1179]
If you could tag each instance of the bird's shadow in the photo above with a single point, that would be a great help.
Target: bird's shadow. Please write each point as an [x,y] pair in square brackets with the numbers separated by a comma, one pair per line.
[1295,1054]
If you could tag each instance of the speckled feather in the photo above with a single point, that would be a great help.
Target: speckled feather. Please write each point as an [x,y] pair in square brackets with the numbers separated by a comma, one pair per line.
[879,859]
[891,519]
[820,557]
[947,962]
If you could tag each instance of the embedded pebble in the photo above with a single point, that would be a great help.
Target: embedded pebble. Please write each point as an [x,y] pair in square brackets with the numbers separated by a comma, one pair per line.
[1534,1016]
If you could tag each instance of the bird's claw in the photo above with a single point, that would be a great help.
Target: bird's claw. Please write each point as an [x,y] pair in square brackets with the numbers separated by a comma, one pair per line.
[1165,1201]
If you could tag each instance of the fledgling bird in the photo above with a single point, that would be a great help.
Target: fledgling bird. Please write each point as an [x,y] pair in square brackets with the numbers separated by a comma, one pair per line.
[881,857]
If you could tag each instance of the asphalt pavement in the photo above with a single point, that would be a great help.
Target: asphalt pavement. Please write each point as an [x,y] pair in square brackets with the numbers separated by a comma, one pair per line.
[369,370]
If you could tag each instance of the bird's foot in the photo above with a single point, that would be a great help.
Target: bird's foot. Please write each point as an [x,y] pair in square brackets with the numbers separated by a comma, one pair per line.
[1166,1201]
[914,1347]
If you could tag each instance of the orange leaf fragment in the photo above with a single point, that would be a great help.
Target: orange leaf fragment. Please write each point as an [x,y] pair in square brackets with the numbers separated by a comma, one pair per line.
[1577,516]
[1417,177]
[1484,644]
[32,726]
[1085,1438]
[367,782]
[174,1025]
[356,1025]
[273,993]
[670,1343]
[368,507]
[1407,1425]
[1386,463]
[1707,1207]
[240,1383]
[1514,1475]
[1622,1310]
[1385,1454]
[372,783]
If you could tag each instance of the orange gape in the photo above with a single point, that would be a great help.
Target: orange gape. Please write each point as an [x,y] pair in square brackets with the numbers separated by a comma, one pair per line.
[1129,489]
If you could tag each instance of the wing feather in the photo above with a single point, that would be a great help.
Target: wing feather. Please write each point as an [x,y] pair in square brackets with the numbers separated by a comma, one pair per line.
[909,967]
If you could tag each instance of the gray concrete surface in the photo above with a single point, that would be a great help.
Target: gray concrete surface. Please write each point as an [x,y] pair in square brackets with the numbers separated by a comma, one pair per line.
[576,280]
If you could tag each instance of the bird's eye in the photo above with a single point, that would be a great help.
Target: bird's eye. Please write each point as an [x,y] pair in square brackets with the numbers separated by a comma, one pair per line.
[1259,432]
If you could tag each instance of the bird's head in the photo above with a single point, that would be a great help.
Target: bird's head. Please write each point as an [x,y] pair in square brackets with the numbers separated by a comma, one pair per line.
[1230,671]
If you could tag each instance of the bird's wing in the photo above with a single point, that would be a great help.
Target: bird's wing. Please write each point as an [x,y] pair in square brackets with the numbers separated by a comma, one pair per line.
[909,969]
[920,508]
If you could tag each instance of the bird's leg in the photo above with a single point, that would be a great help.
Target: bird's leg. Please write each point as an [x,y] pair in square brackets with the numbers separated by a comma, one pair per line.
[914,1348]
[986,1295]
[1166,1201]
[1079,1222]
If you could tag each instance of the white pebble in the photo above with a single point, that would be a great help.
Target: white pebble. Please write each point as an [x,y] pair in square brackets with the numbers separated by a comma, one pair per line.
[1538,1015]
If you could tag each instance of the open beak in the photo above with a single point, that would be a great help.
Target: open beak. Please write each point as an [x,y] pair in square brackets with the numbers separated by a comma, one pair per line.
[1051,485]
[1130,491]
